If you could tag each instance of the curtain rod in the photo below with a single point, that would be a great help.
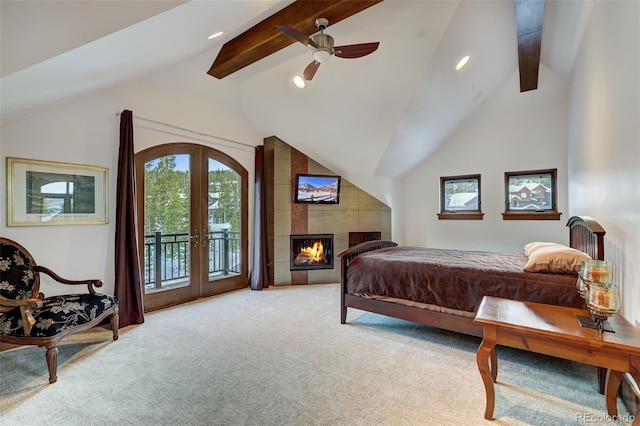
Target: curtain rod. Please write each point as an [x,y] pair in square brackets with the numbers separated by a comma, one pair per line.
[190,131]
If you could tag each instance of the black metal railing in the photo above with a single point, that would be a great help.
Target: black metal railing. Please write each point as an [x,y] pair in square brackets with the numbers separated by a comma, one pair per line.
[167,256]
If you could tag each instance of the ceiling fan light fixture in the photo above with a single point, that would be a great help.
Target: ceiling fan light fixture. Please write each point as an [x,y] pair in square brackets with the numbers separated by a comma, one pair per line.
[299,82]
[321,56]
[322,48]
[462,62]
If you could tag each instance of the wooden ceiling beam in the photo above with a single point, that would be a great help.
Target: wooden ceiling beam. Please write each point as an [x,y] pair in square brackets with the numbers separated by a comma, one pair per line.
[529,15]
[264,38]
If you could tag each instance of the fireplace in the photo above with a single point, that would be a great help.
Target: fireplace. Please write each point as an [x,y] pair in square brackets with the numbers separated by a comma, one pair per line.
[311,251]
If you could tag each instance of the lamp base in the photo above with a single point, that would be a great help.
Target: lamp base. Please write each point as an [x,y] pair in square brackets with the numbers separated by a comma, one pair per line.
[589,322]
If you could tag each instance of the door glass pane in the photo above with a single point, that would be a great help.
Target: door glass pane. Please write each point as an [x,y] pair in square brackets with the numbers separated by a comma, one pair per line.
[166,223]
[224,221]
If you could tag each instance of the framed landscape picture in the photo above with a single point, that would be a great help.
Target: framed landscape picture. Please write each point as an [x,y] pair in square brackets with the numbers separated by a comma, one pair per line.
[47,193]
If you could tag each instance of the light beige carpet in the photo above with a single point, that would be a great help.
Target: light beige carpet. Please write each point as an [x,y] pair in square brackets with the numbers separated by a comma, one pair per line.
[281,357]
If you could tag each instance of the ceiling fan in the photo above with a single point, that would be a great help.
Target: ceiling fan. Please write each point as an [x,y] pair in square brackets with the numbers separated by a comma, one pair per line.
[321,45]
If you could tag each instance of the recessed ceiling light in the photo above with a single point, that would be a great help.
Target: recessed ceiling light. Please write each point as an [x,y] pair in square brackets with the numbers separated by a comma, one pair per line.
[214,35]
[299,82]
[462,62]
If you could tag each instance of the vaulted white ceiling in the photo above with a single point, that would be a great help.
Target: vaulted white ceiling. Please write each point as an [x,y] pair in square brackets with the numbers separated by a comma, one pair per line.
[376,116]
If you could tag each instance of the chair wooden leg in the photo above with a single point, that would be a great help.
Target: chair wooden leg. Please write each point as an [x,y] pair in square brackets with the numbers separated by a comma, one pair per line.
[52,363]
[115,324]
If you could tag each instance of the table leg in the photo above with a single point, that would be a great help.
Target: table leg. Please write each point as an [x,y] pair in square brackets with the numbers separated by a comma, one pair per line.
[487,361]
[494,364]
[635,373]
[612,384]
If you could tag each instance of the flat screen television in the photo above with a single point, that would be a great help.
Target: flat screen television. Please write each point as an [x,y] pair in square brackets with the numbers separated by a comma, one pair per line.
[317,189]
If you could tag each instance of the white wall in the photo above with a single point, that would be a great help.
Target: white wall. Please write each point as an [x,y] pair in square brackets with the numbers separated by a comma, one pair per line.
[86,131]
[512,132]
[587,128]
[604,139]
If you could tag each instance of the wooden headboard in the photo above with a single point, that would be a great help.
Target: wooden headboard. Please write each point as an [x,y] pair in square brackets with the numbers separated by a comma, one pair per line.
[586,234]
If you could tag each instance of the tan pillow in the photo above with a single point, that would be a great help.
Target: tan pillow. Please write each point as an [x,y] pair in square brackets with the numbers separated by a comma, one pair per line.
[557,260]
[529,248]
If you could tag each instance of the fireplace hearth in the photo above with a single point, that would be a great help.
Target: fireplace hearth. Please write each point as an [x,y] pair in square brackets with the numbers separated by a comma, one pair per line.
[311,251]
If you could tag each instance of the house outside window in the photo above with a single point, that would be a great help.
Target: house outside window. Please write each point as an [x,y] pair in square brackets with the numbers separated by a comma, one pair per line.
[531,195]
[460,197]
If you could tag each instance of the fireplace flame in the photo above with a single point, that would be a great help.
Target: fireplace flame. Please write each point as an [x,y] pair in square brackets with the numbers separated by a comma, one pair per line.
[311,255]
[316,252]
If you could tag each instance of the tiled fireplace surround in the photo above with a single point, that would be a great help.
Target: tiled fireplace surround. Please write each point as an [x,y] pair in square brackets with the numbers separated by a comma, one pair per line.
[356,212]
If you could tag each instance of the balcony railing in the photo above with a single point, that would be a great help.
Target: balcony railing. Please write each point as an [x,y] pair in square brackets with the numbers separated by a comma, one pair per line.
[167,257]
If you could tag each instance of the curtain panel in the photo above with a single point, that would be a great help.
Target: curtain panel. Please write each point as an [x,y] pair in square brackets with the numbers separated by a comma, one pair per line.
[259,271]
[128,282]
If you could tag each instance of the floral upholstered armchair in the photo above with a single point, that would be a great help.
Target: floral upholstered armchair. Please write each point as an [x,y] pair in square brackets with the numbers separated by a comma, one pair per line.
[29,318]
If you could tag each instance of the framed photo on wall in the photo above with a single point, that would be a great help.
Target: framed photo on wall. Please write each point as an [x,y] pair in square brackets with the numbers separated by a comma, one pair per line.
[46,193]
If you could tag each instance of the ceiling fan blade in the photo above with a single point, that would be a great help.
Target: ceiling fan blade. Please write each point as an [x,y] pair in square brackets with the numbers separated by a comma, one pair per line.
[310,70]
[355,50]
[297,35]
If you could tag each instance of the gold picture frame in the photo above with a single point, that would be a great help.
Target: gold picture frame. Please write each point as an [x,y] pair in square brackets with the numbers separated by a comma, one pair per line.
[42,193]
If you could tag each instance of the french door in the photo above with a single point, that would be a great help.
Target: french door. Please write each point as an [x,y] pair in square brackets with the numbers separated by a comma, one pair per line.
[192,223]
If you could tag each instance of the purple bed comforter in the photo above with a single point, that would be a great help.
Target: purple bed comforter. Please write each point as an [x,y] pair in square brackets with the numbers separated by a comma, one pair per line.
[456,279]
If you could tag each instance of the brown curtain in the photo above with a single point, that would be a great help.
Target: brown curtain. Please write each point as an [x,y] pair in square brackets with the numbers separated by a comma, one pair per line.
[128,282]
[259,271]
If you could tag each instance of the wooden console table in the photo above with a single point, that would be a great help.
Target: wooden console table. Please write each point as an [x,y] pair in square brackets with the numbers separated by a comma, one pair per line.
[556,331]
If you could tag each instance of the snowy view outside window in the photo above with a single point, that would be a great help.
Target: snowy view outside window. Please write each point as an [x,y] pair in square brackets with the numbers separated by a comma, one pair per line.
[531,191]
[460,194]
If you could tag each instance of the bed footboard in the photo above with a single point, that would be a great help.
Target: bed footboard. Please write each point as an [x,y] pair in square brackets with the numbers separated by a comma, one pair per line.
[345,259]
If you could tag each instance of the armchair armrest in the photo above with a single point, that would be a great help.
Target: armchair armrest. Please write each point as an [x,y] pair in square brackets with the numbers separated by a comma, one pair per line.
[31,303]
[26,306]
[91,283]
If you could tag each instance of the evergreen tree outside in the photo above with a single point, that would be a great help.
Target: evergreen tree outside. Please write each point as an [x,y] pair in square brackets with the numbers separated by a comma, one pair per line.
[224,196]
[224,218]
[167,192]
[167,210]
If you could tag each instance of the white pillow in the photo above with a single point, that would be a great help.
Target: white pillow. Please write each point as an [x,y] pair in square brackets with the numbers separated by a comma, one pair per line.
[529,248]
[556,259]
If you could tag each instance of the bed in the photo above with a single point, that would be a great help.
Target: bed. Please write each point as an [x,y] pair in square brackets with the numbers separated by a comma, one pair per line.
[443,288]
